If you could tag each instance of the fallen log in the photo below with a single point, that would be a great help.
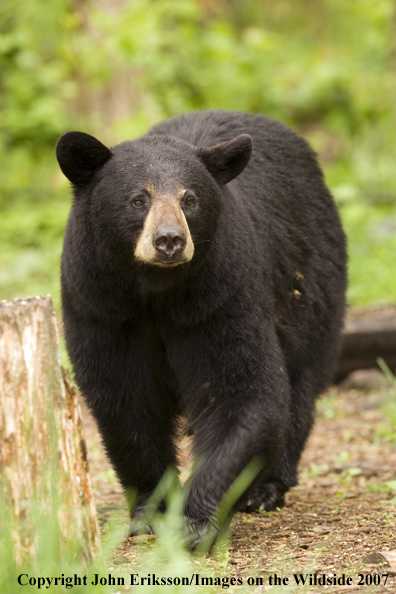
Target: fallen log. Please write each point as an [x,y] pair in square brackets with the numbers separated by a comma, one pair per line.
[43,462]
[368,335]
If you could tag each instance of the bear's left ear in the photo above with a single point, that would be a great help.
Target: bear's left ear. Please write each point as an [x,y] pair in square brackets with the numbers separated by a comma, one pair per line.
[80,156]
[226,160]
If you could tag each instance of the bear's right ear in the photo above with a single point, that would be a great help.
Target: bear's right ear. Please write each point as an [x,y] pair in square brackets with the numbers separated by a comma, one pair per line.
[80,156]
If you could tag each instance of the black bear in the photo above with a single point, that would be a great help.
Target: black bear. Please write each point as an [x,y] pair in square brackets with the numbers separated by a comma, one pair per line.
[204,275]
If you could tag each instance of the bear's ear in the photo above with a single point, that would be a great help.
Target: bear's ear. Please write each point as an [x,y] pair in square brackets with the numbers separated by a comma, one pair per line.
[226,160]
[80,155]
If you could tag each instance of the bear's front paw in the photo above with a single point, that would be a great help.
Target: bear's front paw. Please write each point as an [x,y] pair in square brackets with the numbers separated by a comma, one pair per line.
[199,531]
[267,497]
[139,524]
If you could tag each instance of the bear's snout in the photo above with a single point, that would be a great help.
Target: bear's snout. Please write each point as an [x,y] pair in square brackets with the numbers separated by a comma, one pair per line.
[165,239]
[169,240]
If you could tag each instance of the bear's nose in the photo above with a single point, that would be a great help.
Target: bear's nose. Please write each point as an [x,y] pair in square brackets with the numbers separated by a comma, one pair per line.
[169,240]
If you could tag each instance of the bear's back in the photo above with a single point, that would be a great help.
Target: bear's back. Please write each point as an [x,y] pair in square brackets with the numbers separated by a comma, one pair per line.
[271,138]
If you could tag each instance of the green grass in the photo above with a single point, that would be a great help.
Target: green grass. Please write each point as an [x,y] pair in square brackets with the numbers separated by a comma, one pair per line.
[167,557]
[388,405]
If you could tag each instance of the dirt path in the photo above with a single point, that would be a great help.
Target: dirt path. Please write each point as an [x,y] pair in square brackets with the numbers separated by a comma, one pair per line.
[343,510]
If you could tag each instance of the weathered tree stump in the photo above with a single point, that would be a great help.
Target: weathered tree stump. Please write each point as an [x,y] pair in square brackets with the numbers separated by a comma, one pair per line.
[43,459]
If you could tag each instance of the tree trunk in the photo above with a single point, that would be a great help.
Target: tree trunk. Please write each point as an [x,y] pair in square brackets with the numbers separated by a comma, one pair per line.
[43,462]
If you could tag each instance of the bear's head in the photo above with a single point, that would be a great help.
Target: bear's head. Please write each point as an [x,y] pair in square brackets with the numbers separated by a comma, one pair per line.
[155,200]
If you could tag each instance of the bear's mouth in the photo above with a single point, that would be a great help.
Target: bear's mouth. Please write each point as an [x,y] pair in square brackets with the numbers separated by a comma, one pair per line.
[170,262]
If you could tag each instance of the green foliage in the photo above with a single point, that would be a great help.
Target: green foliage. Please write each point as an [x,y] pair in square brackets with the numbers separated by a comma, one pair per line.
[30,246]
[35,80]
[36,84]
[325,67]
[371,232]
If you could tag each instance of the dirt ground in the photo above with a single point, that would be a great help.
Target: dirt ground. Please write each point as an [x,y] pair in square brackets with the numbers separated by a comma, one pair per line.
[336,521]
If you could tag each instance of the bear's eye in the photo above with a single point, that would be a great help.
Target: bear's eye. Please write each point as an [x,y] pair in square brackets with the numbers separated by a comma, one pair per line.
[137,201]
[189,200]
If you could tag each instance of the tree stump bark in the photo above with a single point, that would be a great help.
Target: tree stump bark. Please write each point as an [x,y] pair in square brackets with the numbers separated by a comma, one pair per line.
[42,449]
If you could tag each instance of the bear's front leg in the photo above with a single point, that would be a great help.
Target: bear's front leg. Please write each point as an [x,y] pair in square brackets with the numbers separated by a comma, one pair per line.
[236,392]
[226,443]
[122,374]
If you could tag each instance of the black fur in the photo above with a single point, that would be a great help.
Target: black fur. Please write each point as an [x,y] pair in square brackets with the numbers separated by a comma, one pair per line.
[241,339]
